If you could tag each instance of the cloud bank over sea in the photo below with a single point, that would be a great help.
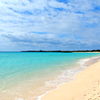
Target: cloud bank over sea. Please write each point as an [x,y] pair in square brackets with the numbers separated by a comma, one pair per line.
[49,24]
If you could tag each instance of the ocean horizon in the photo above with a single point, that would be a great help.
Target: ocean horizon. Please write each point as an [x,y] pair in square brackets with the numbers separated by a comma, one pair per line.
[30,75]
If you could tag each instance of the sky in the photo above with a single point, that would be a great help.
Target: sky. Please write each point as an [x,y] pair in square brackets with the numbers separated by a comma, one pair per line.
[49,25]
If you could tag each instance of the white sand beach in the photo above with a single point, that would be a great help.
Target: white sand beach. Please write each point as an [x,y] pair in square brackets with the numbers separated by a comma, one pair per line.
[86,86]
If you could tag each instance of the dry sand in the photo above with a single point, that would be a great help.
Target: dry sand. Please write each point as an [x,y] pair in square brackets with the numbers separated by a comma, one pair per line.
[86,86]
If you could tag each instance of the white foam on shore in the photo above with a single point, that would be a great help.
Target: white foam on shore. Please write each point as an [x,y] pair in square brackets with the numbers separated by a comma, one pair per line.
[66,76]
[83,61]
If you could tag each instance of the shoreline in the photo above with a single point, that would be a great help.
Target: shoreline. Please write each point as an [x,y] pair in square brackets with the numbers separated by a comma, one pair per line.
[28,90]
[76,89]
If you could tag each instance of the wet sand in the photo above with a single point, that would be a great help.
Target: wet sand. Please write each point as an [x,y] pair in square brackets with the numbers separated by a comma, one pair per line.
[86,86]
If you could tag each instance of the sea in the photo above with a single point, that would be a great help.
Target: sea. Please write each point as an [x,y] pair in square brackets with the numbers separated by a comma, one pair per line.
[31,75]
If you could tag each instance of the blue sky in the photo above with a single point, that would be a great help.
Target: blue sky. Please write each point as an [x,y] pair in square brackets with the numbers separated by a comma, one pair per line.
[49,24]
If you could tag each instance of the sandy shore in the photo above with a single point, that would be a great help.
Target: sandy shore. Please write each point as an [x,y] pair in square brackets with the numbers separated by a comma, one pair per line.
[86,86]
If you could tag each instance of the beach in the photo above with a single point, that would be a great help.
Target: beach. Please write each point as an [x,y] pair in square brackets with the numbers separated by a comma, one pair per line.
[32,76]
[85,86]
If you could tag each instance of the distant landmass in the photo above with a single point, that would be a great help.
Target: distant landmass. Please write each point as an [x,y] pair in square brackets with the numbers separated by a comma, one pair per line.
[63,51]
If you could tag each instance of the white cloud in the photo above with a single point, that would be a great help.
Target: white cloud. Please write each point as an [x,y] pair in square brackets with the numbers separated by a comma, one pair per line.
[22,18]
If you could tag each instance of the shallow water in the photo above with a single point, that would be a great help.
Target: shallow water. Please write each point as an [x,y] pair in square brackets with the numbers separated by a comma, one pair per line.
[27,75]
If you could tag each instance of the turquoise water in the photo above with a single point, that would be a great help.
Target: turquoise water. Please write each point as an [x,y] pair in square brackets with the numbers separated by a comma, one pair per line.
[19,67]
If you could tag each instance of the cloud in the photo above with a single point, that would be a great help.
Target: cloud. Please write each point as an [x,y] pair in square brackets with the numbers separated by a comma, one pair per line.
[57,24]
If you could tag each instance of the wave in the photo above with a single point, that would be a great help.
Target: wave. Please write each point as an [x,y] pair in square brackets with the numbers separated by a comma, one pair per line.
[67,75]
